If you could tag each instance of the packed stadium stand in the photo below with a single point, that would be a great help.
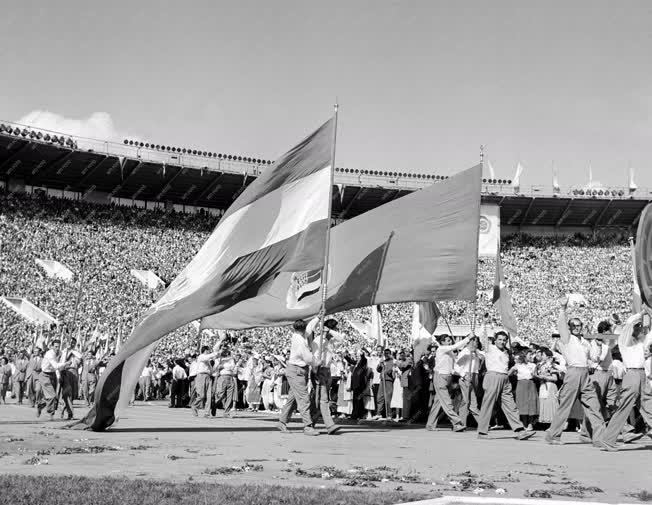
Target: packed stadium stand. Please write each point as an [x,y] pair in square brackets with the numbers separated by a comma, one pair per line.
[103,208]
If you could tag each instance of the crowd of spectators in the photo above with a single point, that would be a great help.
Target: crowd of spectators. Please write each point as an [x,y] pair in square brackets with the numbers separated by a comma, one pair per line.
[101,243]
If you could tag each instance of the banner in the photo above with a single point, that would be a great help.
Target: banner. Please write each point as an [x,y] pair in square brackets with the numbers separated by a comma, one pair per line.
[489,230]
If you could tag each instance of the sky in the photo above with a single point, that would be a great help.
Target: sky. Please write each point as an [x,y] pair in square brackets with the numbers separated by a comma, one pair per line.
[420,84]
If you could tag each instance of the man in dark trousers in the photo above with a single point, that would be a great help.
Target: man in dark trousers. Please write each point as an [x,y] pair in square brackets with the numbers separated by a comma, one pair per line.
[386,370]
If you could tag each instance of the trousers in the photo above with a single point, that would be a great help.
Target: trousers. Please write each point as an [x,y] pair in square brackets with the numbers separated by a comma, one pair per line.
[635,389]
[322,396]
[470,389]
[298,397]
[497,388]
[442,402]
[578,384]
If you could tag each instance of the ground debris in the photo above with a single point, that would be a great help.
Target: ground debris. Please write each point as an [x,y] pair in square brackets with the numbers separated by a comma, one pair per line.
[358,483]
[172,457]
[35,460]
[89,449]
[570,490]
[641,495]
[13,439]
[468,481]
[360,474]
[141,447]
[230,470]
[537,493]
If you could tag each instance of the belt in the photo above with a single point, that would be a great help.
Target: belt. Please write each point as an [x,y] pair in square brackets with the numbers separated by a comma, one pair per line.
[302,367]
[635,368]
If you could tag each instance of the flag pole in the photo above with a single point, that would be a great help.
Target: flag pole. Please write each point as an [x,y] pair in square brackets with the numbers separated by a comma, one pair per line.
[324,273]
[477,246]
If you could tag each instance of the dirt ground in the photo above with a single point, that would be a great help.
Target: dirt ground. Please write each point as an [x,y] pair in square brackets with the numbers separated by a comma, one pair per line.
[152,441]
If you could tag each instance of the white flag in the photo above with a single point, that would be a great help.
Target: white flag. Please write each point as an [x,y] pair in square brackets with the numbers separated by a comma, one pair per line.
[632,185]
[516,181]
[490,168]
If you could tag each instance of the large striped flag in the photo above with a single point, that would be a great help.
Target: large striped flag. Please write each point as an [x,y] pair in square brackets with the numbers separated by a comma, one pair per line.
[425,316]
[644,255]
[636,295]
[278,224]
[502,298]
[420,247]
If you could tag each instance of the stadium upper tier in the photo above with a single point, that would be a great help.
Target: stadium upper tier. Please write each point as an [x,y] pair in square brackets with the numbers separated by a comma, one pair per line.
[187,177]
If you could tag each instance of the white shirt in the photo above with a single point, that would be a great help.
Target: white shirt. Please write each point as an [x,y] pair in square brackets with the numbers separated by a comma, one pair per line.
[179,373]
[496,360]
[203,362]
[300,353]
[325,352]
[192,369]
[467,363]
[372,362]
[147,372]
[575,351]
[524,371]
[445,359]
[226,366]
[51,362]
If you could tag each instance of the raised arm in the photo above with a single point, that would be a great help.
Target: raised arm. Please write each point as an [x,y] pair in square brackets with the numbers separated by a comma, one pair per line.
[625,338]
[562,321]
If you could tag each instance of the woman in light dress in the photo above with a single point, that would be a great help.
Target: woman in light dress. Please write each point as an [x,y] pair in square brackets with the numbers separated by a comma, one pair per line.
[548,376]
[397,393]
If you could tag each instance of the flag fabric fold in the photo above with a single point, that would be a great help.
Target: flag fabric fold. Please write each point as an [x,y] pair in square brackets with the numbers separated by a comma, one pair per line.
[277,224]
[420,247]
[425,316]
[502,298]
[636,293]
[516,181]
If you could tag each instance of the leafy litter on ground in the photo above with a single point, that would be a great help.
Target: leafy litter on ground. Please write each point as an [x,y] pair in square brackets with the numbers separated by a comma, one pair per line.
[571,491]
[357,475]
[230,470]
[14,439]
[641,495]
[35,460]
[468,481]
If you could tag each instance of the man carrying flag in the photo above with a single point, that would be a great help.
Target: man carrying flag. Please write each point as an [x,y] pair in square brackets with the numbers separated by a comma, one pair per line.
[278,224]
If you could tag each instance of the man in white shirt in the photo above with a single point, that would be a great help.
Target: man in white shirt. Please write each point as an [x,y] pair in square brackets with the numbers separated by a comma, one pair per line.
[203,381]
[225,388]
[145,380]
[322,370]
[443,372]
[70,378]
[602,378]
[497,387]
[577,382]
[296,373]
[48,379]
[632,343]
[467,367]
[179,376]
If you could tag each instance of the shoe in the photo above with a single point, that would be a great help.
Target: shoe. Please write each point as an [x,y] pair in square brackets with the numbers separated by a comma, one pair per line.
[430,428]
[310,431]
[332,430]
[459,429]
[606,446]
[630,437]
[524,435]
[585,439]
[553,441]
[39,409]
[483,436]
[375,418]
[194,412]
[282,427]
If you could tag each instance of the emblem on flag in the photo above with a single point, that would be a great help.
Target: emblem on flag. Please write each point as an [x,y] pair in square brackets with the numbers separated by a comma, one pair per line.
[302,285]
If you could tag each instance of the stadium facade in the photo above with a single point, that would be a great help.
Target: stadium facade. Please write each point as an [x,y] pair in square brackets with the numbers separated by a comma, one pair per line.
[190,180]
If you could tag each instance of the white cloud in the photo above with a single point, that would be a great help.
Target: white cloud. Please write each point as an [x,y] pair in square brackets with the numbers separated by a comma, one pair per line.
[98,125]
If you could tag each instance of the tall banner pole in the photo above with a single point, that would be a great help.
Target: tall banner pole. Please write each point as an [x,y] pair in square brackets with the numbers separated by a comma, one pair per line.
[79,294]
[477,247]
[324,273]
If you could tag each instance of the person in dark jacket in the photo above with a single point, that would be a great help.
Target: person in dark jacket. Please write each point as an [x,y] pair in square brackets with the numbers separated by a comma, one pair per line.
[385,369]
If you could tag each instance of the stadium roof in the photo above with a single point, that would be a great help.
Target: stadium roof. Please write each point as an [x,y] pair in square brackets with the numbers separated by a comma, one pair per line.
[197,178]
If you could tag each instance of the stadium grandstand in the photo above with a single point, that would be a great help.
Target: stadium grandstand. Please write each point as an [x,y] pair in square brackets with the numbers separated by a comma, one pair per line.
[150,175]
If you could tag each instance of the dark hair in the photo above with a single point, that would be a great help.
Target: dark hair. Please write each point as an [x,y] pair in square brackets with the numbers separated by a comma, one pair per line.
[501,332]
[440,338]
[55,341]
[205,348]
[604,327]
[331,324]
[299,325]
